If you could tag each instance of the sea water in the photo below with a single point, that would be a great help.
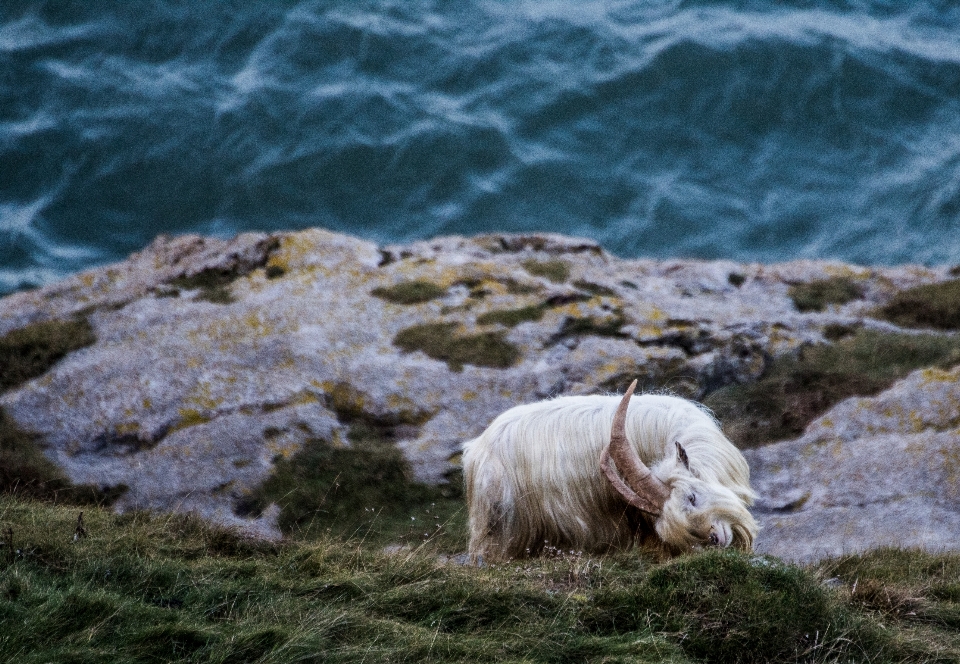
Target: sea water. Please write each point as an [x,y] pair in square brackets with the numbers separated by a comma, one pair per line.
[757,131]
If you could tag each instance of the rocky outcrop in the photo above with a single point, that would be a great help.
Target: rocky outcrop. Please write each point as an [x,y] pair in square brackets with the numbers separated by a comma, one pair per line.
[872,472]
[213,359]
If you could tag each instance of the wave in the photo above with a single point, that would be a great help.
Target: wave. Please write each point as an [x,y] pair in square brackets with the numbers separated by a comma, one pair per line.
[755,131]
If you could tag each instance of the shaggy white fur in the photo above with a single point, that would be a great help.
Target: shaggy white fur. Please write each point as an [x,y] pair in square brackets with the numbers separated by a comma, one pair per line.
[533,479]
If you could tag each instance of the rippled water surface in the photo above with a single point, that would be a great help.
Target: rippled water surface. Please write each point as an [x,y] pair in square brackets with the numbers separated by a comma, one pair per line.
[751,130]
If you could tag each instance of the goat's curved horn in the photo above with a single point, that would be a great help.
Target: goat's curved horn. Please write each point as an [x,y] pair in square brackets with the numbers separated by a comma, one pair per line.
[642,488]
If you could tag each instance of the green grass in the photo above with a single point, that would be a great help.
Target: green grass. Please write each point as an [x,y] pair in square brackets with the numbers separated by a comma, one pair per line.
[816,295]
[409,292]
[364,490]
[933,306]
[795,390]
[441,341]
[31,351]
[142,588]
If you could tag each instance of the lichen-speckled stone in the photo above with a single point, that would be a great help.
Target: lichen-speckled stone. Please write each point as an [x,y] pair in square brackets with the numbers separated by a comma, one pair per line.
[189,402]
[871,472]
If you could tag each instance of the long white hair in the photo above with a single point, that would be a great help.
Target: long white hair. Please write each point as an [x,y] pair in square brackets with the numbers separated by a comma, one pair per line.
[533,479]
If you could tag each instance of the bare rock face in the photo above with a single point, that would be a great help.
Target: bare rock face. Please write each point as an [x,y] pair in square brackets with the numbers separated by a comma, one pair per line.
[872,472]
[213,359]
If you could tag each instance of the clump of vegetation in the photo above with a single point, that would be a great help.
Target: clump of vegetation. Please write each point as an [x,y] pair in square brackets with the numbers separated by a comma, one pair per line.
[729,607]
[514,287]
[31,351]
[796,389]
[594,289]
[213,284]
[933,306]
[274,272]
[364,489]
[904,586]
[556,271]
[409,292]
[348,403]
[607,326]
[816,295]
[441,342]
[25,471]
[513,317]
[204,594]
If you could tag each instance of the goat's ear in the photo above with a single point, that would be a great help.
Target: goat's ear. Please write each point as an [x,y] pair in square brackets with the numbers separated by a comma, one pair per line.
[682,456]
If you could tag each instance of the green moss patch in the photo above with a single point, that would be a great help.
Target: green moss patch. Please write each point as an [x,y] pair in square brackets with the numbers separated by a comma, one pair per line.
[933,306]
[594,289]
[365,489]
[607,326]
[441,341]
[213,284]
[556,271]
[31,351]
[736,279]
[349,404]
[816,295]
[796,389]
[25,471]
[409,292]
[512,317]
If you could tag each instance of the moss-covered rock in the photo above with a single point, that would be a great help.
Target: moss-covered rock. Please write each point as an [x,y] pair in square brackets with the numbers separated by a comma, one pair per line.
[30,351]
[445,342]
[193,406]
[934,306]
[409,292]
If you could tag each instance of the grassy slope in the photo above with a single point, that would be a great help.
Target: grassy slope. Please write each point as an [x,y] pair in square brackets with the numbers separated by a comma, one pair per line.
[161,588]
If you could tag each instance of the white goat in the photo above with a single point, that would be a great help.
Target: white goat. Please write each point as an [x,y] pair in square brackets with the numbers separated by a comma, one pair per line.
[541,475]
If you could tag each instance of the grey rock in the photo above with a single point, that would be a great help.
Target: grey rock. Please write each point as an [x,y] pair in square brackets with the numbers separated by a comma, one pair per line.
[216,357]
[871,472]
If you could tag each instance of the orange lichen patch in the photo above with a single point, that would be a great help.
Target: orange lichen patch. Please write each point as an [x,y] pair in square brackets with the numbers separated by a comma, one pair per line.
[917,423]
[937,375]
[293,251]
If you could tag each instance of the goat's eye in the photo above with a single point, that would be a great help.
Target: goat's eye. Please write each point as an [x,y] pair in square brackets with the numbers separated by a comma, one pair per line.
[692,498]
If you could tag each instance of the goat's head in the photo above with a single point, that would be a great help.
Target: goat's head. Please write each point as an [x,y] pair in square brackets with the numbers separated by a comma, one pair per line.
[688,512]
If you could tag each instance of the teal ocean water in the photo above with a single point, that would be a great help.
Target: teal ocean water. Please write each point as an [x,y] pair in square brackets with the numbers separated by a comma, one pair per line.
[750,130]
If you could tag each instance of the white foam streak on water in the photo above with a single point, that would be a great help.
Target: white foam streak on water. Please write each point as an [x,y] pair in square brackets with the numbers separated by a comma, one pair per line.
[687,128]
